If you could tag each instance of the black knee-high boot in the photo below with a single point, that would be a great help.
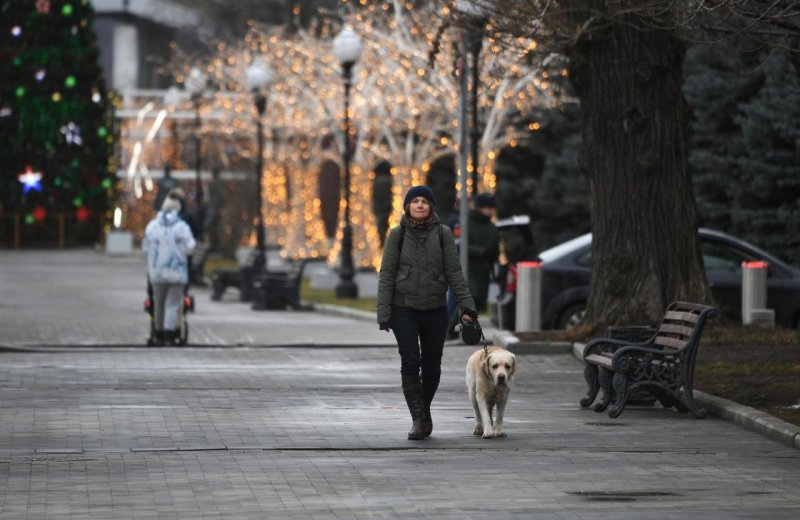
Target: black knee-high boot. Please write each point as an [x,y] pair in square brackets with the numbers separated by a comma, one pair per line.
[412,390]
[429,386]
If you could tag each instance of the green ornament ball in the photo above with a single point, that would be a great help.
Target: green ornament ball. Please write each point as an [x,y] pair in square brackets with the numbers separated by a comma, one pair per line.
[66,10]
[29,219]
[70,82]
[20,92]
[106,183]
[77,202]
[102,132]
[57,181]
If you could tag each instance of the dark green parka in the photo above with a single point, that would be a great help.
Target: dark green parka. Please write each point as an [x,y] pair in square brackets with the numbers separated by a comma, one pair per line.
[484,249]
[418,276]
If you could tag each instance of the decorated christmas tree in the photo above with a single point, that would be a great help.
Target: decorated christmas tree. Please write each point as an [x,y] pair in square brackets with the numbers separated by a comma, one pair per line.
[56,165]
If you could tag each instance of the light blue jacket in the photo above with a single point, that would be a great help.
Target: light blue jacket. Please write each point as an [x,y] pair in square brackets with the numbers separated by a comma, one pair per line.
[167,242]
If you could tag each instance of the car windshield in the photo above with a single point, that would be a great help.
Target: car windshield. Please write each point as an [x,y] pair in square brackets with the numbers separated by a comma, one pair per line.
[554,253]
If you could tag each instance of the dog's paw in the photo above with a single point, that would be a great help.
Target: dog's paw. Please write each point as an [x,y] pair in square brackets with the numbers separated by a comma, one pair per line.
[488,434]
[478,430]
[500,434]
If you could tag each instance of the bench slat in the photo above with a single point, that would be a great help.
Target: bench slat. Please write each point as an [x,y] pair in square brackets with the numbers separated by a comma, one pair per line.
[680,316]
[669,328]
[666,341]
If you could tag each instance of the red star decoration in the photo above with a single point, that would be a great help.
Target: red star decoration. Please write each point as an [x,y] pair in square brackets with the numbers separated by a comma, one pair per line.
[82,214]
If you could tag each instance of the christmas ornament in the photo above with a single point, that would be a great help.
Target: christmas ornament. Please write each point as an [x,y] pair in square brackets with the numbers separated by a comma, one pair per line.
[72,133]
[82,214]
[39,213]
[43,6]
[30,180]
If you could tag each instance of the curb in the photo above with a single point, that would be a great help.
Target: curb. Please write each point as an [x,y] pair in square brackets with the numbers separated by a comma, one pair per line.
[751,419]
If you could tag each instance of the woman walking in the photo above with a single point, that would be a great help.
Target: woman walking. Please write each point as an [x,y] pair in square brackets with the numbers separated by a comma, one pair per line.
[419,263]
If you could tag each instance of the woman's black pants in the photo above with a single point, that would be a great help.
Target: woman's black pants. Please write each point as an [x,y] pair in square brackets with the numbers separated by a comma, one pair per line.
[420,340]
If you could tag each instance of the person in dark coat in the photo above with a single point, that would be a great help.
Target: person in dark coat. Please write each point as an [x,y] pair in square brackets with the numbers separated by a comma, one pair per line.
[419,263]
[484,247]
[165,184]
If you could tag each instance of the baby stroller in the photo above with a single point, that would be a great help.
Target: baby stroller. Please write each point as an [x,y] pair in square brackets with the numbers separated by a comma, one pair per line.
[186,306]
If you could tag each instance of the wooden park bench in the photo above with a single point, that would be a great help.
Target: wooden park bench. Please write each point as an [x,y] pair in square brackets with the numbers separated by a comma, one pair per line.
[662,364]
[221,279]
[279,289]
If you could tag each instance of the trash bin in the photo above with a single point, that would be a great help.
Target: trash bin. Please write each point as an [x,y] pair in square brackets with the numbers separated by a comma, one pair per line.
[754,288]
[528,317]
[268,291]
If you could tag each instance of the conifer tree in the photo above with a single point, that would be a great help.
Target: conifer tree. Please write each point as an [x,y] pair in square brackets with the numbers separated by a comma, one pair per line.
[56,158]
[769,205]
[745,142]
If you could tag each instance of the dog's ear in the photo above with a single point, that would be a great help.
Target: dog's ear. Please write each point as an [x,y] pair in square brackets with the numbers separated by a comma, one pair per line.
[485,365]
[513,364]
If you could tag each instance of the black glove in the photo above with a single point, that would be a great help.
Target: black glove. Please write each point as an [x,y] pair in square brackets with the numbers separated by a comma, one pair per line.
[384,325]
[471,313]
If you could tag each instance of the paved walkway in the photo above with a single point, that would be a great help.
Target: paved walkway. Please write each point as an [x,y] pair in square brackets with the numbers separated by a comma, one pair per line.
[281,428]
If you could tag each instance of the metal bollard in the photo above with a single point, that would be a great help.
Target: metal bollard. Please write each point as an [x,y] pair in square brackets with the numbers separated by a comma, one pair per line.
[528,317]
[754,289]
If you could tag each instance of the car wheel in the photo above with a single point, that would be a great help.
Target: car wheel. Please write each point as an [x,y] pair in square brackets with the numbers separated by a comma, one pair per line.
[571,316]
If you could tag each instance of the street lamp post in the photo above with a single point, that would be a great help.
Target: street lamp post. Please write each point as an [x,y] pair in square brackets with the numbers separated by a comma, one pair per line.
[475,44]
[475,12]
[259,77]
[195,85]
[347,49]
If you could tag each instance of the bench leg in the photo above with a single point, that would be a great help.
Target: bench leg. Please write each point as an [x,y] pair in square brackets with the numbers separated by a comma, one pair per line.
[217,290]
[685,402]
[619,384]
[590,374]
[605,378]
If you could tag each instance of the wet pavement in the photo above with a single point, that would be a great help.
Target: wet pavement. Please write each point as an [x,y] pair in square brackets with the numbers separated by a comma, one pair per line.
[300,415]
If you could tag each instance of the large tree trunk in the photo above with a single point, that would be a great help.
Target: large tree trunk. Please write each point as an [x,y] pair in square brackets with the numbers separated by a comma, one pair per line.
[644,249]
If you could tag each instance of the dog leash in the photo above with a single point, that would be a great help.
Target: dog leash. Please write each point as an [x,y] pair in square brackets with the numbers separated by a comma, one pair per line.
[485,343]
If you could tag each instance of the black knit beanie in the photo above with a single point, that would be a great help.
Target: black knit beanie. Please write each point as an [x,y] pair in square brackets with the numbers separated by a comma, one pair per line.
[419,191]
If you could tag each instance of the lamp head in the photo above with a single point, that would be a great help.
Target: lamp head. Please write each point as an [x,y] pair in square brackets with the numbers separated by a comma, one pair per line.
[347,47]
[259,75]
[473,8]
[195,81]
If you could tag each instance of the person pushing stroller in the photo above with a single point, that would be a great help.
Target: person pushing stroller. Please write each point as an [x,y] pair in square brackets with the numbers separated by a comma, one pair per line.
[168,241]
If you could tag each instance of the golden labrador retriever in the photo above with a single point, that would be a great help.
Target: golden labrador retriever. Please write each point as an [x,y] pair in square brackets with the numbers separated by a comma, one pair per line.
[490,372]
